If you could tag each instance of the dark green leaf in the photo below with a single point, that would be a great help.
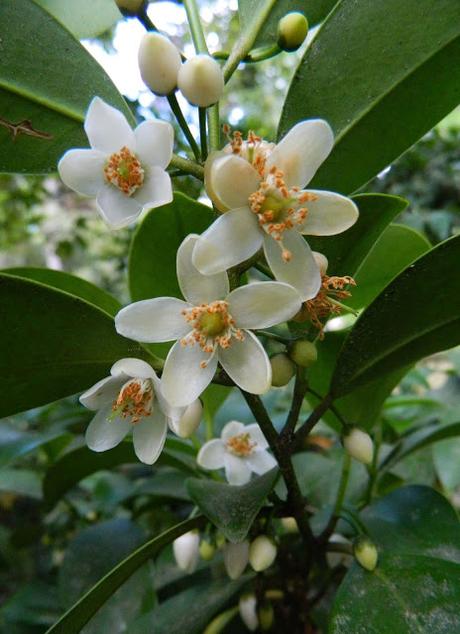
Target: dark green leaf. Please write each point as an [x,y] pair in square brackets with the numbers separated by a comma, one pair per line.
[78,615]
[447,463]
[85,18]
[21,482]
[15,443]
[367,73]
[417,314]
[52,344]
[48,79]
[231,508]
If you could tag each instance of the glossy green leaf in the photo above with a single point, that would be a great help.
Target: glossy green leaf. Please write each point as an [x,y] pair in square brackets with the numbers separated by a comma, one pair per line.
[417,314]
[415,585]
[20,482]
[85,18]
[231,508]
[446,458]
[82,611]
[15,443]
[367,72]
[70,284]
[52,344]
[47,80]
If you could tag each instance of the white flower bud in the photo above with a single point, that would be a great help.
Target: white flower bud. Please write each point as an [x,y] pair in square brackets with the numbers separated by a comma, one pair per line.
[292,31]
[262,553]
[290,524]
[186,551]
[130,6]
[201,81]
[190,420]
[236,557]
[282,369]
[248,611]
[366,553]
[303,353]
[359,445]
[322,262]
[159,62]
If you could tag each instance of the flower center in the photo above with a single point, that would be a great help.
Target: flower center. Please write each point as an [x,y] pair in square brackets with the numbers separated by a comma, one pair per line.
[241,445]
[134,400]
[212,326]
[124,170]
[254,149]
[279,208]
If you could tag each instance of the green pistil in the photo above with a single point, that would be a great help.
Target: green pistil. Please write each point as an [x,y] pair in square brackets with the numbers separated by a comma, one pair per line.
[212,324]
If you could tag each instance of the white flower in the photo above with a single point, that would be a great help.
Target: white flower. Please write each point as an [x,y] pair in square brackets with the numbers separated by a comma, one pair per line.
[186,550]
[125,168]
[236,558]
[261,184]
[240,450]
[130,398]
[212,326]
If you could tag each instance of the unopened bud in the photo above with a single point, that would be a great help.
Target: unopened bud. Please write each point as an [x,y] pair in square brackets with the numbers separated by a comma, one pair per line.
[366,553]
[282,369]
[159,63]
[186,551]
[189,421]
[201,81]
[322,262]
[290,524]
[130,7]
[262,553]
[266,616]
[292,31]
[248,611]
[219,623]
[207,550]
[303,353]
[236,557]
[359,445]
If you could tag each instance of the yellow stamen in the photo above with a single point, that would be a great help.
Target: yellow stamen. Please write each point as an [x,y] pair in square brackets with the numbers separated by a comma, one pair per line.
[241,445]
[124,170]
[134,400]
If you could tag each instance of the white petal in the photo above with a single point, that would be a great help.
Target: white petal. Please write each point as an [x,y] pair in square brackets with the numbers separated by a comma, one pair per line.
[330,214]
[233,428]
[183,378]
[237,471]
[233,180]
[212,454]
[256,435]
[154,142]
[247,363]
[196,287]
[186,551]
[83,170]
[156,189]
[153,320]
[301,272]
[234,237]
[149,436]
[261,462]
[135,368]
[103,392]
[248,611]
[263,304]
[187,420]
[117,209]
[103,434]
[236,558]
[107,128]
[302,150]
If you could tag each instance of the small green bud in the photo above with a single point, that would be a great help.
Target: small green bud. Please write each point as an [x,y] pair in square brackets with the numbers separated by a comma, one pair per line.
[219,623]
[207,550]
[292,31]
[359,445]
[365,553]
[303,353]
[262,553]
[290,524]
[130,7]
[282,369]
[266,616]
[159,63]
[201,81]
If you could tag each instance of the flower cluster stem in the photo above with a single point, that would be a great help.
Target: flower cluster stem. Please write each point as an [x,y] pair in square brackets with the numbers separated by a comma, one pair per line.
[187,167]
[314,417]
[203,139]
[174,105]
[300,389]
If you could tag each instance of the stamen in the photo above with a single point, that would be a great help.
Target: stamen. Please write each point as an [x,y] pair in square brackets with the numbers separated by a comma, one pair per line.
[254,149]
[134,400]
[124,170]
[241,445]
[321,306]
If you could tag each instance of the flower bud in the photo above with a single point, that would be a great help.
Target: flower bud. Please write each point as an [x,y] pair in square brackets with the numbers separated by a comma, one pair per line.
[266,616]
[236,557]
[190,420]
[282,369]
[219,623]
[248,611]
[159,62]
[322,262]
[201,81]
[290,524]
[207,550]
[292,31]
[303,353]
[359,445]
[186,551]
[130,7]
[262,553]
[366,553]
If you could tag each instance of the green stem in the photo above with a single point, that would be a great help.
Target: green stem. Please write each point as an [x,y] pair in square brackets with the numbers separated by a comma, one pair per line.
[274,336]
[203,140]
[187,166]
[246,41]
[256,55]
[344,477]
[184,125]
[214,127]
[300,389]
[193,17]
[263,269]
[333,409]
[144,19]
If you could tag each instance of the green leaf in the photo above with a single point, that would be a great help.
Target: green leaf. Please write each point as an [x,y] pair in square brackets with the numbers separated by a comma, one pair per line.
[80,613]
[20,482]
[231,508]
[70,284]
[415,585]
[346,251]
[85,18]
[446,456]
[47,80]
[417,314]
[52,344]
[15,443]
[367,73]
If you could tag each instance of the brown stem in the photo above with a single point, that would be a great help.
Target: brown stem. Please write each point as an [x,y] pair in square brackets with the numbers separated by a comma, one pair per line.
[300,389]
[311,421]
